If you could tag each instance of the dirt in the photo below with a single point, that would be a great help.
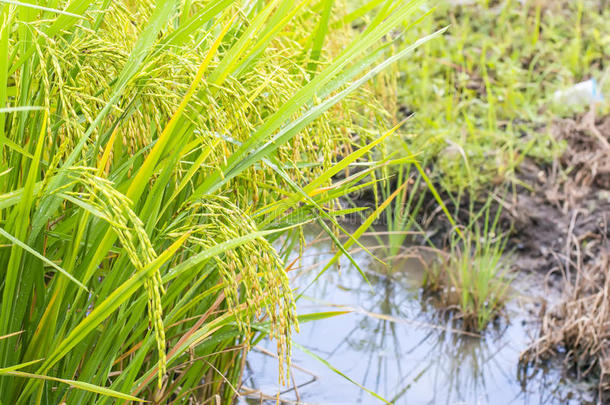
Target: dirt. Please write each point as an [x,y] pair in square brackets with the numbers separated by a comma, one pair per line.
[560,218]
[568,202]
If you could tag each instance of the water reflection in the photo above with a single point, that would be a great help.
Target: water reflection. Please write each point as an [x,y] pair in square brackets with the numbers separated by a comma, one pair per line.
[393,344]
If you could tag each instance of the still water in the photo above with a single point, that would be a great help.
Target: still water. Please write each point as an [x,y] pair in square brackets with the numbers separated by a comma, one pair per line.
[395,344]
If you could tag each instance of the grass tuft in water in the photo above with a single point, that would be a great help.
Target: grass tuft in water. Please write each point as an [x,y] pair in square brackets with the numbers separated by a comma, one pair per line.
[471,279]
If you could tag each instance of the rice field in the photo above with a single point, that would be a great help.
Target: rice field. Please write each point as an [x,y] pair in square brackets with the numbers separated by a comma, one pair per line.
[163,164]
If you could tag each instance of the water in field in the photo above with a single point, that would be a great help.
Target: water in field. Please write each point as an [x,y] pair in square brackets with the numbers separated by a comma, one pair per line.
[394,344]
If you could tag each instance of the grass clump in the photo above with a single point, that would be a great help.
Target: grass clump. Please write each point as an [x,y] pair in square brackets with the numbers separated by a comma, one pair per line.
[471,278]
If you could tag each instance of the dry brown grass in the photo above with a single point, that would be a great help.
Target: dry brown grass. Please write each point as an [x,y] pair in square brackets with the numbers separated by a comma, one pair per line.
[575,234]
[579,325]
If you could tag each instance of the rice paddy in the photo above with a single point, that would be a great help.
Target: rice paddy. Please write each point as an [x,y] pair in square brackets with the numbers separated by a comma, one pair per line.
[165,163]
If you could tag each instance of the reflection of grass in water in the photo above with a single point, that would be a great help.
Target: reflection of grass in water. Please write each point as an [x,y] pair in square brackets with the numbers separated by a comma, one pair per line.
[468,358]
[395,361]
[383,346]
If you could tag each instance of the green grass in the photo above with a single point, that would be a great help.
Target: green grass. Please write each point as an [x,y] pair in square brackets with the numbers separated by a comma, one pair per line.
[471,279]
[483,94]
[151,154]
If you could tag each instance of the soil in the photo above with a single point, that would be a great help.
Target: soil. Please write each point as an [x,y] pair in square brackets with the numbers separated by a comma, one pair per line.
[560,218]
[566,203]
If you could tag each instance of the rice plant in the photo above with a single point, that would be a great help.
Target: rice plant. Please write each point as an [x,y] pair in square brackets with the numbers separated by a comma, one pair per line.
[151,150]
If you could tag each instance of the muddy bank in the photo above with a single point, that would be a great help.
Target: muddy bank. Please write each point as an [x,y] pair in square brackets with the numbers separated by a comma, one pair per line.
[561,229]
[565,204]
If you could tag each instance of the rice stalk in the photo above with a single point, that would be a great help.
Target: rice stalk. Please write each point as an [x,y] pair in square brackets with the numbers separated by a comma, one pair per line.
[139,142]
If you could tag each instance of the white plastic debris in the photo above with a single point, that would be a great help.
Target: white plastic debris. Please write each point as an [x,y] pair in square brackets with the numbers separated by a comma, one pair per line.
[581,94]
[462,2]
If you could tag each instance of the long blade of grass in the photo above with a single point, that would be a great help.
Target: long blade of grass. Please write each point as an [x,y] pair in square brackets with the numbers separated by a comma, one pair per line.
[76,384]
[357,234]
[20,109]
[41,257]
[337,371]
[320,35]
[19,366]
[37,7]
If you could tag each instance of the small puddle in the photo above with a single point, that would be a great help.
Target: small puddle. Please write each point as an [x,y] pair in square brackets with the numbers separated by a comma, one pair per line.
[395,345]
